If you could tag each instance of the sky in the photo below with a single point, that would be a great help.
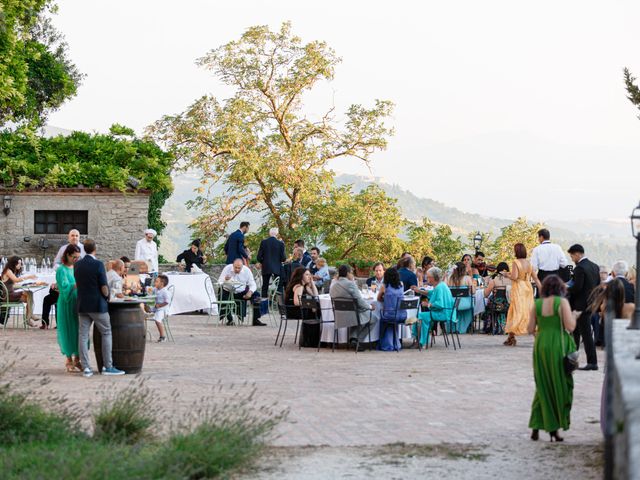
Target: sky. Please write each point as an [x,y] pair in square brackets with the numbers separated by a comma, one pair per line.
[503,108]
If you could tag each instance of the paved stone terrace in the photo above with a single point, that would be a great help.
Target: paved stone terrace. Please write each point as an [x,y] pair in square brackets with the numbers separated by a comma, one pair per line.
[479,395]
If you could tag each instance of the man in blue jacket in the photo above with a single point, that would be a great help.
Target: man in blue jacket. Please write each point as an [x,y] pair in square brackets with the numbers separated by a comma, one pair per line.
[93,292]
[234,248]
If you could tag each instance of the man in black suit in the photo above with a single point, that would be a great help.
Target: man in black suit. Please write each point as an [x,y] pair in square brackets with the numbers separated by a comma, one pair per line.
[270,257]
[289,267]
[586,277]
[93,292]
[306,257]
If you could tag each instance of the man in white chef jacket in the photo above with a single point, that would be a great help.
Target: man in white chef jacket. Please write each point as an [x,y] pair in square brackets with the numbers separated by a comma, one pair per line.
[147,250]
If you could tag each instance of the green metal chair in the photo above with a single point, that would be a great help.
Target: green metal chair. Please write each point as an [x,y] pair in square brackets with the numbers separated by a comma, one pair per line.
[214,292]
[6,306]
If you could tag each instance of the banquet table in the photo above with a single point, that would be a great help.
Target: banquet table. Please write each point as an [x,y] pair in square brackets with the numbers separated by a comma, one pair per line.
[190,293]
[328,328]
[39,294]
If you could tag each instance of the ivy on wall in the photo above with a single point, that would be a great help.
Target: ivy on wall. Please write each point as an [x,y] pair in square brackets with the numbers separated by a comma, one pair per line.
[117,161]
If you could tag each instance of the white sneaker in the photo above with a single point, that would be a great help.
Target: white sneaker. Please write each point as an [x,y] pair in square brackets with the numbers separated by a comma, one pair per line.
[162,339]
[87,372]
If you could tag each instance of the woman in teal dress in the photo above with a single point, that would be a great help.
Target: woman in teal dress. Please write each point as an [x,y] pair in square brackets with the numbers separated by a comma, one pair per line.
[551,406]
[440,305]
[66,311]
[460,279]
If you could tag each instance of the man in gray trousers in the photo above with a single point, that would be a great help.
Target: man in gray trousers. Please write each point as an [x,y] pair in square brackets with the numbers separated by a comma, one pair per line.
[93,292]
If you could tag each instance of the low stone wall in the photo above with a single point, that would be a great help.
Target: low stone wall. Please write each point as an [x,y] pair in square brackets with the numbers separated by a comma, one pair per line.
[626,401]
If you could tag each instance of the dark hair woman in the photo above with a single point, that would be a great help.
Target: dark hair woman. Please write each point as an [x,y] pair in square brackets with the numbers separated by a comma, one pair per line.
[521,275]
[390,294]
[551,314]
[11,278]
[468,261]
[427,263]
[301,284]
[498,279]
[66,310]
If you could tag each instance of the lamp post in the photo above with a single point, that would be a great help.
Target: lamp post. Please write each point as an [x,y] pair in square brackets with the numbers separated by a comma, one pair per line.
[6,204]
[477,241]
[635,229]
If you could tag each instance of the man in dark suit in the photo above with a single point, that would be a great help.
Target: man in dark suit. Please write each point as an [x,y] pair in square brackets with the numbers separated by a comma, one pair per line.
[234,247]
[306,257]
[586,277]
[290,266]
[270,257]
[93,292]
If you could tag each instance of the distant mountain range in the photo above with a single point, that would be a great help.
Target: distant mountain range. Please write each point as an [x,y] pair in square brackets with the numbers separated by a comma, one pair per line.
[605,241]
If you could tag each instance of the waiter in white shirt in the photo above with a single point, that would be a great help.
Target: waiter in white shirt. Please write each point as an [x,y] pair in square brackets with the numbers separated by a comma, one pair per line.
[238,283]
[147,249]
[547,258]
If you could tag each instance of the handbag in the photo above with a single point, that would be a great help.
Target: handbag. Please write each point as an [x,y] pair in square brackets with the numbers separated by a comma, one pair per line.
[569,360]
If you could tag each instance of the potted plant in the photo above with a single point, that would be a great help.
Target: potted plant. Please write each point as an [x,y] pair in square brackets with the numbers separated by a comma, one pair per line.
[362,267]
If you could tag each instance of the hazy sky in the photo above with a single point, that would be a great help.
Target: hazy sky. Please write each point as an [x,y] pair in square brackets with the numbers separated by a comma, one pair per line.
[502,108]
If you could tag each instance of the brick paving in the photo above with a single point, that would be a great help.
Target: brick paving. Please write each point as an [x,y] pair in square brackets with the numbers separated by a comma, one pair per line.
[479,395]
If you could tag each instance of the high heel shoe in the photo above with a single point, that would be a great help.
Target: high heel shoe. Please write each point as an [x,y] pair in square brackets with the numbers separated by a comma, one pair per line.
[553,436]
[76,363]
[535,434]
[69,365]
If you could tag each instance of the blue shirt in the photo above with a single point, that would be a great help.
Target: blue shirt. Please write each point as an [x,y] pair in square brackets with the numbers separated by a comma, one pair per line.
[408,278]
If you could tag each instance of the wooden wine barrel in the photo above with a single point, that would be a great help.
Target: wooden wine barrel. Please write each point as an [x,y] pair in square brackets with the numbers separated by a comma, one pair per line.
[128,334]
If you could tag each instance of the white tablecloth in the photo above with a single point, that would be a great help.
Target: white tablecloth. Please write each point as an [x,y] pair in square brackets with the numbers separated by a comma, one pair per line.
[478,304]
[190,293]
[328,329]
[38,296]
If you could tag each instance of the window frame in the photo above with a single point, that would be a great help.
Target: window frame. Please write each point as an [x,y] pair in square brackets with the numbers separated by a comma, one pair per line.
[62,221]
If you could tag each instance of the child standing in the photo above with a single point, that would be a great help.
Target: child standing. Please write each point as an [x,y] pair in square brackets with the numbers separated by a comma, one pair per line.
[161,308]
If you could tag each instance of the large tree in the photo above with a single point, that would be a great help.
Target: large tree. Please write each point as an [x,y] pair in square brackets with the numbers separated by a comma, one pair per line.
[519,231]
[261,143]
[36,75]
[363,226]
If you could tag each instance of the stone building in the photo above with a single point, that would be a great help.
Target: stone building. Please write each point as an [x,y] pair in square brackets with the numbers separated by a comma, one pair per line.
[39,219]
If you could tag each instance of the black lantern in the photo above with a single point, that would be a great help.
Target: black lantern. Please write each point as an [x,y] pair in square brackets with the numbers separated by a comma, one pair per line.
[477,241]
[6,203]
[635,230]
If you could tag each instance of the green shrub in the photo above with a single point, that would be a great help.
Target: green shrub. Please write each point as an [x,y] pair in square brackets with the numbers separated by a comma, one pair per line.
[127,417]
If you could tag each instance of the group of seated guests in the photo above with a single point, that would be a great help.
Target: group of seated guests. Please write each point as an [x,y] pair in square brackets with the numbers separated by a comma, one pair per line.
[432,284]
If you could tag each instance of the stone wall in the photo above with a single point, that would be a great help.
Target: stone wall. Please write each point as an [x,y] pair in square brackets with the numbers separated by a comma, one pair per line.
[626,401]
[116,221]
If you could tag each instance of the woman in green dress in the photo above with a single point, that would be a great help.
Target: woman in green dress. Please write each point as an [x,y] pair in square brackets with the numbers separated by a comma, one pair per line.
[551,407]
[66,311]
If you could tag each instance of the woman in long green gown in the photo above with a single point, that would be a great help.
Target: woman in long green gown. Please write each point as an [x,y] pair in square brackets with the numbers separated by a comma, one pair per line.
[66,310]
[551,406]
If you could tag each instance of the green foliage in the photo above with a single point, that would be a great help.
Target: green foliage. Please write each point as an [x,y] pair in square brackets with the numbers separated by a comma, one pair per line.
[28,161]
[436,241]
[36,75]
[21,421]
[633,92]
[519,231]
[127,417]
[365,225]
[260,143]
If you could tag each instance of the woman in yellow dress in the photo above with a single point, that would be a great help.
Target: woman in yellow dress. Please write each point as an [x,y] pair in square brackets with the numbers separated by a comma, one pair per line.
[521,294]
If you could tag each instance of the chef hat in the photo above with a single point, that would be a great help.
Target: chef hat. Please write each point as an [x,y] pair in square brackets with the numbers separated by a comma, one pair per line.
[151,231]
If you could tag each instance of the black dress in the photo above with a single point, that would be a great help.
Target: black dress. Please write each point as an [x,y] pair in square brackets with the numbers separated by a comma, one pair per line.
[309,332]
